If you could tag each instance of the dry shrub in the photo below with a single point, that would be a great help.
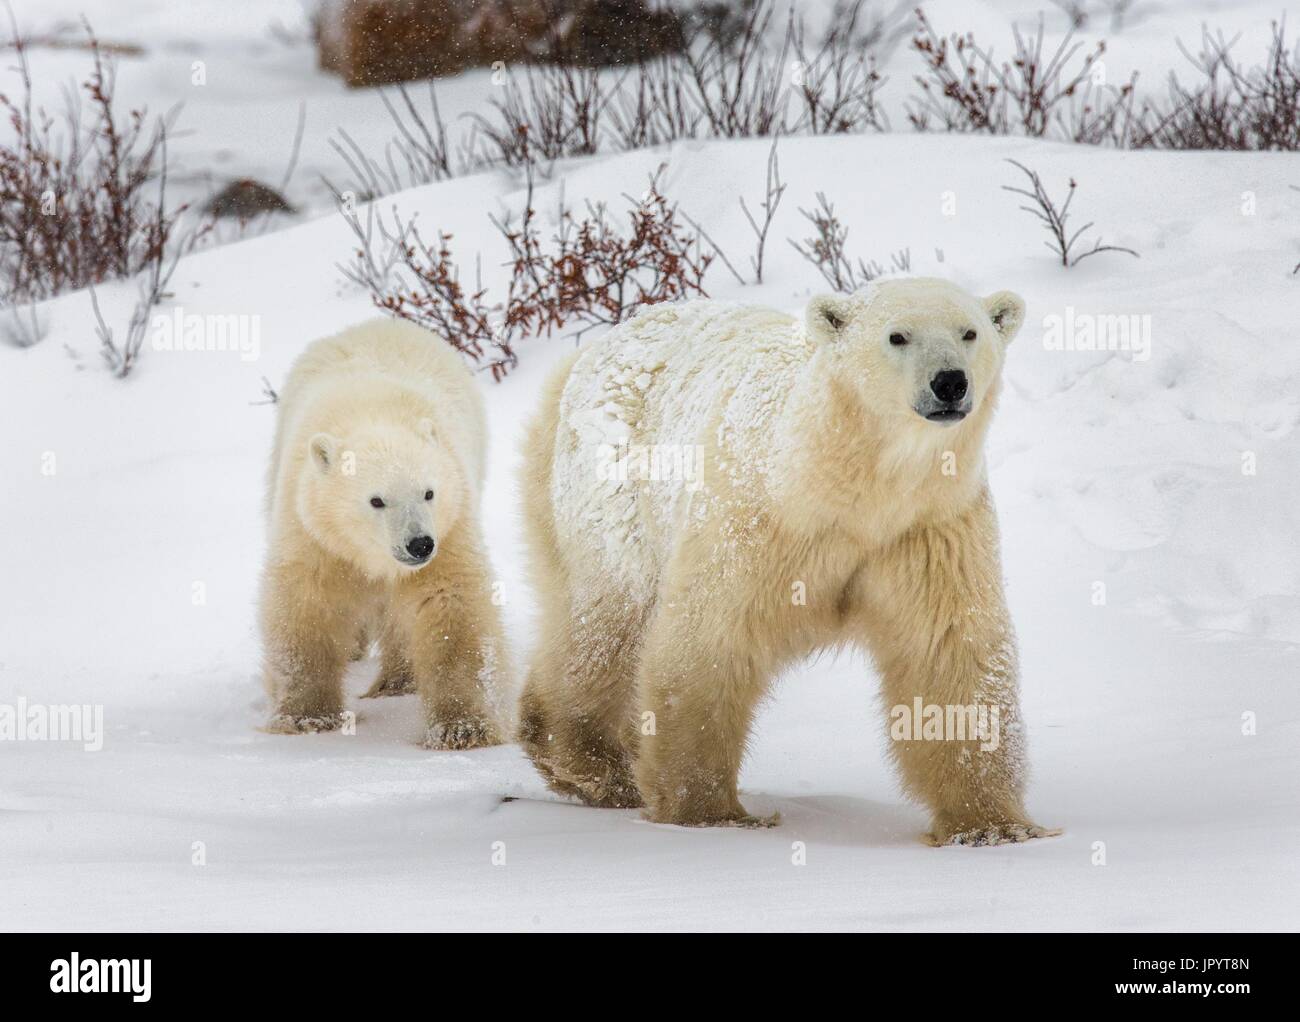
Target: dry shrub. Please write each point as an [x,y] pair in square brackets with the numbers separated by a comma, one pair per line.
[1101,115]
[1226,104]
[1055,219]
[593,273]
[1232,106]
[741,87]
[555,113]
[837,81]
[418,154]
[588,273]
[773,192]
[413,280]
[82,195]
[826,249]
[965,89]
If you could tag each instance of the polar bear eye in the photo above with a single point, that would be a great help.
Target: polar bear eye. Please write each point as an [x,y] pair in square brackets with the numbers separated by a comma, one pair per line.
[897,340]
[428,495]
[969,335]
[376,501]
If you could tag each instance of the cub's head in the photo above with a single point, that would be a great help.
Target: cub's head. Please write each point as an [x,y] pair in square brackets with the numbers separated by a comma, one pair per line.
[920,351]
[380,498]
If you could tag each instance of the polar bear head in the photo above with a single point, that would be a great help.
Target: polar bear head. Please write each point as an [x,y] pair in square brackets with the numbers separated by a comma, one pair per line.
[922,352]
[380,497]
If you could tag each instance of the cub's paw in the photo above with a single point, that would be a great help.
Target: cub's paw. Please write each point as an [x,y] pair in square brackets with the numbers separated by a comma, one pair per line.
[395,684]
[466,733]
[736,817]
[996,834]
[750,822]
[293,724]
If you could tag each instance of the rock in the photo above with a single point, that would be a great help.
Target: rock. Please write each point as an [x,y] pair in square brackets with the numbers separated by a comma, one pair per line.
[245,198]
[380,42]
[598,32]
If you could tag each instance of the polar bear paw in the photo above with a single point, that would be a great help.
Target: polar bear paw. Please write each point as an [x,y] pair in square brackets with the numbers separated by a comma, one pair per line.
[466,733]
[997,834]
[737,817]
[749,821]
[293,724]
[397,683]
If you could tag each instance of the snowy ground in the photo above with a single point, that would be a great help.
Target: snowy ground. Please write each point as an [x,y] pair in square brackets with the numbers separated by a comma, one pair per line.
[1106,469]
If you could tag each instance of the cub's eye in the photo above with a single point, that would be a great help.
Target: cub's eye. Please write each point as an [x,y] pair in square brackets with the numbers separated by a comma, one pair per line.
[428,495]
[376,501]
[897,340]
[969,335]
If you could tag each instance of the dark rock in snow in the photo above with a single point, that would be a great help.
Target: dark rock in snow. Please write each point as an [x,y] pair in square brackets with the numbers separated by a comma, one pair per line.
[245,199]
[379,42]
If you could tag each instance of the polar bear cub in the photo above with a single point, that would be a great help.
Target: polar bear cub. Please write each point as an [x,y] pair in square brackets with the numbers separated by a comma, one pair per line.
[715,491]
[374,492]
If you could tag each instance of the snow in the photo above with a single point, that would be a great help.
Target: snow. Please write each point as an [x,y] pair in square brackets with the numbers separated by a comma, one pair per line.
[1149,512]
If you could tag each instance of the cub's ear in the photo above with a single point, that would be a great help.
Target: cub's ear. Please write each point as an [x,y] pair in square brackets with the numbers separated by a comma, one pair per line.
[827,316]
[324,450]
[1007,310]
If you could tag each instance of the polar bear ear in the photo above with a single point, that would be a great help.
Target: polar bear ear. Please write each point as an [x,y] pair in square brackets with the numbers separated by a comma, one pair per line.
[827,316]
[1007,310]
[323,449]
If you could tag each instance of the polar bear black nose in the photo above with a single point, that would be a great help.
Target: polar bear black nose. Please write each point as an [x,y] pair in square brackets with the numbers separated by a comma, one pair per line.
[420,546]
[949,385]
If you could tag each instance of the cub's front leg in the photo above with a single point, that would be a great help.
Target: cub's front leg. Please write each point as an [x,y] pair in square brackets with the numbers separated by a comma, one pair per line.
[941,635]
[395,676]
[310,613]
[454,644]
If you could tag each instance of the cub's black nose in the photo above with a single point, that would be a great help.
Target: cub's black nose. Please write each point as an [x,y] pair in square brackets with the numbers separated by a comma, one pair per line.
[420,546]
[949,385]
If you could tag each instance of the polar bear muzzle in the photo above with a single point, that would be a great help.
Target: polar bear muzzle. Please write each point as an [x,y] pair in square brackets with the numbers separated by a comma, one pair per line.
[418,550]
[948,400]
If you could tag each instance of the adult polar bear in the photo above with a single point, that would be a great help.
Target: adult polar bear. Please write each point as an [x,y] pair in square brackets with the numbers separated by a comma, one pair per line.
[838,495]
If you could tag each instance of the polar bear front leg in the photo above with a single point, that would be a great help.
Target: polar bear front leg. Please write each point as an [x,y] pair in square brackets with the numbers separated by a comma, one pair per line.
[942,638]
[309,626]
[696,694]
[395,676]
[455,646]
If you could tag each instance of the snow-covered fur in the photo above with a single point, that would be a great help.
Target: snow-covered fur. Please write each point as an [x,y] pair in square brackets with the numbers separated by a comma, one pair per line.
[374,495]
[713,491]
